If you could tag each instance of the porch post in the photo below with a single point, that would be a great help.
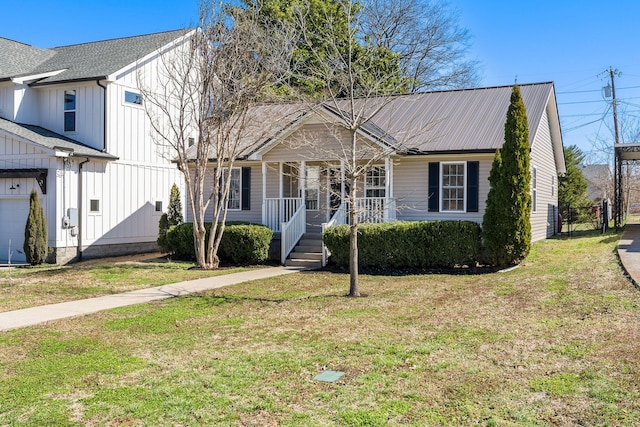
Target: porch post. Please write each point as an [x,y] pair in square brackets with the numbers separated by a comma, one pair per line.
[281,184]
[264,192]
[342,186]
[387,187]
[303,180]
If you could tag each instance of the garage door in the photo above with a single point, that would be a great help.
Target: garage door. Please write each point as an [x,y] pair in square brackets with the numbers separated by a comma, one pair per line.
[13,218]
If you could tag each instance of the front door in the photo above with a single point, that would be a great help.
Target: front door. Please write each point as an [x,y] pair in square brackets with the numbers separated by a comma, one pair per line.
[335,191]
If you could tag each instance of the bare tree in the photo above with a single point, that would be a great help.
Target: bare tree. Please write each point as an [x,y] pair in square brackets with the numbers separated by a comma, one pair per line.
[201,102]
[360,81]
[425,34]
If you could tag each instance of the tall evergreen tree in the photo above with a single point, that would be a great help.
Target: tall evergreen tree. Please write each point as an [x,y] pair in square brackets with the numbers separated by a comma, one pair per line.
[572,189]
[35,233]
[174,210]
[506,224]
[172,217]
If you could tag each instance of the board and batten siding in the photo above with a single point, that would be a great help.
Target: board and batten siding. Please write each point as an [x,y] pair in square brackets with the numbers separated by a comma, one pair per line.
[16,154]
[89,108]
[411,187]
[128,188]
[6,101]
[544,217]
[127,195]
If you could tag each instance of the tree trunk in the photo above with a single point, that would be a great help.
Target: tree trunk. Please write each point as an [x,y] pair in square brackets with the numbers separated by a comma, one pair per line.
[354,290]
[199,236]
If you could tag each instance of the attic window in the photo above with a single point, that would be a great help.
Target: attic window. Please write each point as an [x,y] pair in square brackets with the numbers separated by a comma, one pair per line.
[69,110]
[132,97]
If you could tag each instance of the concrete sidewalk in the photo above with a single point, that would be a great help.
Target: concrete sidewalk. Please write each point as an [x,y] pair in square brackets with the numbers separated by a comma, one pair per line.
[46,313]
[629,252]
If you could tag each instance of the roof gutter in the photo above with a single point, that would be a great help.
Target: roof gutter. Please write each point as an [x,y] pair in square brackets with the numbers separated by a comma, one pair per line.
[58,82]
[80,205]
[104,116]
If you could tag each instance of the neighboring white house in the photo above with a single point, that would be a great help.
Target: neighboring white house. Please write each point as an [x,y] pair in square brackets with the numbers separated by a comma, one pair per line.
[72,126]
[435,153]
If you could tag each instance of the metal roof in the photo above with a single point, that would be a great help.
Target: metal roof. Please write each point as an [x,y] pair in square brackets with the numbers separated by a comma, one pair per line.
[86,61]
[444,121]
[457,120]
[51,140]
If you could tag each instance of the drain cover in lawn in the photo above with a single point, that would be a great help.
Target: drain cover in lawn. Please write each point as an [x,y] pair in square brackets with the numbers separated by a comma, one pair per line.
[329,376]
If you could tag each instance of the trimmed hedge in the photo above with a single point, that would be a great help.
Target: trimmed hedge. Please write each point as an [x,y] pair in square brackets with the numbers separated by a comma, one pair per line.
[241,244]
[420,244]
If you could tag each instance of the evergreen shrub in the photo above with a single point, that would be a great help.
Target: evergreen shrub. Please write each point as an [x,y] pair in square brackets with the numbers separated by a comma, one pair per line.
[241,244]
[420,244]
[35,233]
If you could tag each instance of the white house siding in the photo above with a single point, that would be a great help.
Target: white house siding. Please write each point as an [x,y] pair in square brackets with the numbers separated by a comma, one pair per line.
[15,154]
[543,220]
[127,195]
[411,187]
[254,214]
[26,104]
[89,111]
[314,142]
[129,187]
[6,100]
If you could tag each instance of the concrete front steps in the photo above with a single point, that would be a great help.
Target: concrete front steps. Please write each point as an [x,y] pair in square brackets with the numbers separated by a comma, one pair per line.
[307,253]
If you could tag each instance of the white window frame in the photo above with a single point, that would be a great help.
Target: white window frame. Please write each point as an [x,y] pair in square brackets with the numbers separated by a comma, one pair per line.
[129,103]
[73,110]
[534,189]
[225,174]
[91,211]
[375,172]
[313,184]
[463,187]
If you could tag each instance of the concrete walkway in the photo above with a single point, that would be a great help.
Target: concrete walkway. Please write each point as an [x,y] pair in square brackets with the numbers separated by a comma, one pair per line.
[629,252]
[46,313]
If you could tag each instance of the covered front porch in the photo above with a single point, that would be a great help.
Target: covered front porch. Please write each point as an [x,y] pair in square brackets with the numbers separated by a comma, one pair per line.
[307,196]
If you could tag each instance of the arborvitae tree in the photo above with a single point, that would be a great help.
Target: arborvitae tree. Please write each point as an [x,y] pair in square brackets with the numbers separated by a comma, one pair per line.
[35,233]
[171,218]
[174,210]
[506,224]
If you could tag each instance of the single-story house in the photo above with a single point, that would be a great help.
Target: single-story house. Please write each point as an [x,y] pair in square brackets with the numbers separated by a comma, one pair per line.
[433,153]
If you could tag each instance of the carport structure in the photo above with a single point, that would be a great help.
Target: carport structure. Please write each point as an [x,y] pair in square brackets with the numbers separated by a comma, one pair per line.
[623,153]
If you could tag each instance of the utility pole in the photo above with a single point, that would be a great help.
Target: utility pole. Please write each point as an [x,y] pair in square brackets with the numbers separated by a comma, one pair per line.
[617,160]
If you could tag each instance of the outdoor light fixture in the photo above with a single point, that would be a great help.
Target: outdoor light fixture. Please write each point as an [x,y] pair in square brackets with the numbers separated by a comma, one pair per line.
[12,187]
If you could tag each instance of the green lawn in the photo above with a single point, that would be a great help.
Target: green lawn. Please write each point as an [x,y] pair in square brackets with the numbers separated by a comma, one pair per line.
[49,284]
[554,342]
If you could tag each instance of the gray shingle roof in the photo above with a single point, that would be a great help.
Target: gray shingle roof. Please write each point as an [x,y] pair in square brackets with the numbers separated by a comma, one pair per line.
[51,140]
[88,61]
[18,58]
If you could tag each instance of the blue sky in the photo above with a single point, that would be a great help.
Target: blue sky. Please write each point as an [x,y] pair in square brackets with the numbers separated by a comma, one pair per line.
[568,42]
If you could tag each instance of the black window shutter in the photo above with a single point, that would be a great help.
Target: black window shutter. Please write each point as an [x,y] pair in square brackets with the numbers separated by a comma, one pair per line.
[473,178]
[434,186]
[246,189]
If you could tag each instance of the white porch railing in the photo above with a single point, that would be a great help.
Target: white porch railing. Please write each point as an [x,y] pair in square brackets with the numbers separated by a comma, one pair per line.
[339,218]
[291,231]
[376,210]
[277,211]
